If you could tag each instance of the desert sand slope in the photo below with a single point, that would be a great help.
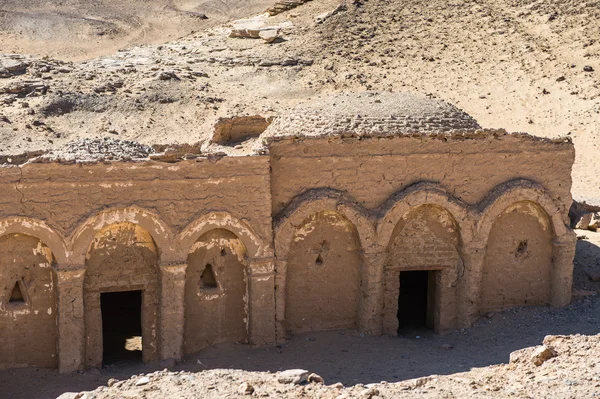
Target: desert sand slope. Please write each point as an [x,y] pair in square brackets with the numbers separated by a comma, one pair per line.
[82,29]
[515,64]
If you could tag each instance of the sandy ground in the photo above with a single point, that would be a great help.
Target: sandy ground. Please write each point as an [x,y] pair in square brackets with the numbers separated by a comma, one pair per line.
[352,359]
[81,29]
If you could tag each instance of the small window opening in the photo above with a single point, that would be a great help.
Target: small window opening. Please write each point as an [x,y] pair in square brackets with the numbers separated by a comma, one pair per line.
[319,260]
[16,295]
[207,278]
[521,249]
[223,252]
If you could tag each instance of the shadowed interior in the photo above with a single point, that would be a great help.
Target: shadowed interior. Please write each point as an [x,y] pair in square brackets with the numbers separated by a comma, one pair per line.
[414,301]
[121,326]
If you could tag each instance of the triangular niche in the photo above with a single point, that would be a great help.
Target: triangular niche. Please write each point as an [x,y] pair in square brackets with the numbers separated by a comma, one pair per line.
[208,278]
[18,293]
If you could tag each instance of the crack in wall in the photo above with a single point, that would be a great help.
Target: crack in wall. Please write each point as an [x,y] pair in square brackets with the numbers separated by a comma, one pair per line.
[22,199]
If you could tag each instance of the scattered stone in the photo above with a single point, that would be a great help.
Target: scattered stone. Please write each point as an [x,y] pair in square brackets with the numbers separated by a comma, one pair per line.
[326,15]
[257,28]
[419,382]
[110,87]
[99,149]
[561,79]
[369,393]
[246,389]
[293,376]
[11,67]
[594,222]
[447,346]
[25,87]
[70,395]
[583,221]
[168,75]
[588,68]
[268,63]
[543,353]
[284,5]
[315,378]
[269,35]
[142,381]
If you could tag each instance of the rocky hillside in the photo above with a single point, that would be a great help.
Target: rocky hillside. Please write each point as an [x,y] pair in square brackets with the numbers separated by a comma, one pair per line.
[523,65]
[81,29]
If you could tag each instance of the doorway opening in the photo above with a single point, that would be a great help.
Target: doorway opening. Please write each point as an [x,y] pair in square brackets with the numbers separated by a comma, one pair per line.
[416,301]
[121,327]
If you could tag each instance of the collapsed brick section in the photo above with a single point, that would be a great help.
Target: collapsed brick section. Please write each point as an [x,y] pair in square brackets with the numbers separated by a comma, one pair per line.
[312,235]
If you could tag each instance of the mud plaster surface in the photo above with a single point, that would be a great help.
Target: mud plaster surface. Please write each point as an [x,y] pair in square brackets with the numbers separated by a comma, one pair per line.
[306,231]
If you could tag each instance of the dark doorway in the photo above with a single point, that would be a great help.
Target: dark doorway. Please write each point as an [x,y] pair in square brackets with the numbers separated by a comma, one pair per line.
[121,326]
[416,300]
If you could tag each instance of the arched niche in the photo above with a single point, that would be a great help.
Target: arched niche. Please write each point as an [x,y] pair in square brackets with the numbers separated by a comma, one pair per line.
[421,270]
[517,268]
[255,246]
[216,291]
[150,222]
[28,332]
[322,285]
[122,258]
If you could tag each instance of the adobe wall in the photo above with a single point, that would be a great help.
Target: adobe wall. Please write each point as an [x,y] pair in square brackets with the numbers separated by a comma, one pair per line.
[323,270]
[65,196]
[372,170]
[311,236]
[28,325]
[381,184]
[121,257]
[216,296]
[518,261]
[425,238]
[134,226]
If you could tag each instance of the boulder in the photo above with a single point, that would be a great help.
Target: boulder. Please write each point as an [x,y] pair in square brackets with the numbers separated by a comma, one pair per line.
[293,376]
[269,35]
[71,395]
[583,221]
[285,5]
[142,381]
[10,67]
[541,354]
[257,28]
[245,389]
[315,378]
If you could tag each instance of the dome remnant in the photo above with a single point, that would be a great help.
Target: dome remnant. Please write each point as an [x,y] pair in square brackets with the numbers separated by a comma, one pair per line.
[370,114]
